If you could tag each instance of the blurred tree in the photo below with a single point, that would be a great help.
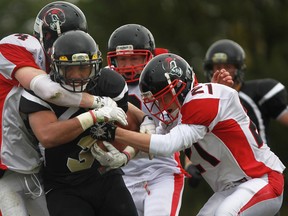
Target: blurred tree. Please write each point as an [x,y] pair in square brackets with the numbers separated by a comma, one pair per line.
[188,28]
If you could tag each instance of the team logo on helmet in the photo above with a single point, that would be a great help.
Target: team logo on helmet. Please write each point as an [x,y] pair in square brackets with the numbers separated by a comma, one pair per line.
[172,67]
[53,17]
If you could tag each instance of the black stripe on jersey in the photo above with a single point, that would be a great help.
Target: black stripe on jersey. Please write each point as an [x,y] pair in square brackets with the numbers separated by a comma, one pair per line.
[30,103]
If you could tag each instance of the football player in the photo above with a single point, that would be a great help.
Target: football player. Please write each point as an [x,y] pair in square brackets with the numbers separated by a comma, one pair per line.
[76,183]
[245,175]
[264,99]
[156,185]
[23,63]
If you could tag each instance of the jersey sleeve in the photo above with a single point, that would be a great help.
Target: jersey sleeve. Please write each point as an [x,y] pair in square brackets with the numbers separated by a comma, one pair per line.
[20,50]
[30,103]
[274,102]
[110,84]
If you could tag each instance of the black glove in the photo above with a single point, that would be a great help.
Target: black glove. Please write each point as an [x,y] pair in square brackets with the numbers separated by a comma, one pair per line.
[103,131]
[196,176]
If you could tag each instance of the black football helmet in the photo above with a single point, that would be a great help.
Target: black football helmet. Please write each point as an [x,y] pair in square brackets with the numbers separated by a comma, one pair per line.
[74,48]
[166,74]
[129,40]
[56,18]
[225,52]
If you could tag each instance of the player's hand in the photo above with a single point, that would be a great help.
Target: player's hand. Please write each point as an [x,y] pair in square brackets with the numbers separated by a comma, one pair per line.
[103,131]
[148,125]
[196,176]
[112,159]
[100,102]
[222,77]
[108,113]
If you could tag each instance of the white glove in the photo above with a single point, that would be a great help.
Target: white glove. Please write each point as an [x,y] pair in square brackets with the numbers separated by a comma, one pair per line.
[100,102]
[148,125]
[107,113]
[103,114]
[112,159]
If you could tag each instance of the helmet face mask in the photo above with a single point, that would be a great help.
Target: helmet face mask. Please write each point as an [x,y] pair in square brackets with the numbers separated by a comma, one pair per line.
[164,84]
[130,41]
[56,18]
[129,63]
[164,105]
[76,60]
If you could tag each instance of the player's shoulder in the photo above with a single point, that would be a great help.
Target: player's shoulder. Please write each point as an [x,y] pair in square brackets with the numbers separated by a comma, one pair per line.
[263,85]
[26,41]
[267,82]
[211,90]
[110,83]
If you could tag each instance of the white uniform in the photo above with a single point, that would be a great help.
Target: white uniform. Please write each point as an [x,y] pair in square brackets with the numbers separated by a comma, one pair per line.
[156,185]
[225,146]
[20,155]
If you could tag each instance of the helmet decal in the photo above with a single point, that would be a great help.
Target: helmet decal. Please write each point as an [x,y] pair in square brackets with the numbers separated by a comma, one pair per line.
[53,17]
[172,67]
[124,49]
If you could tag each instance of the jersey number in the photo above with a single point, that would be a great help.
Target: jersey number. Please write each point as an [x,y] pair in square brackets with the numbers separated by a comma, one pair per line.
[21,36]
[86,159]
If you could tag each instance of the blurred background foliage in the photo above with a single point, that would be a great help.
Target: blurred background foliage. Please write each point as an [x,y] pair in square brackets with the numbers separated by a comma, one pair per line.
[187,28]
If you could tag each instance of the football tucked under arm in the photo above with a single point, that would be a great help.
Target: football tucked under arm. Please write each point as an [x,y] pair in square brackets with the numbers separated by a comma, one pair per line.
[113,154]
[110,157]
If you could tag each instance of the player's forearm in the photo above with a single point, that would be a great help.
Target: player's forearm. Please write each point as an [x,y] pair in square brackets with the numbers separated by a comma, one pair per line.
[134,139]
[58,133]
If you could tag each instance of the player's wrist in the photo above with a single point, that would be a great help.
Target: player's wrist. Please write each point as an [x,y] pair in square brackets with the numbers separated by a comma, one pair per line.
[87,119]
[130,153]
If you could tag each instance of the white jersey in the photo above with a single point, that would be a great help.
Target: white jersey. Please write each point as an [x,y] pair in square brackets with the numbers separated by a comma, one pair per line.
[19,149]
[141,168]
[225,145]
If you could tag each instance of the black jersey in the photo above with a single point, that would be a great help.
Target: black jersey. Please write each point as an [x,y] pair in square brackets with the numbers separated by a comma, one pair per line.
[264,99]
[72,163]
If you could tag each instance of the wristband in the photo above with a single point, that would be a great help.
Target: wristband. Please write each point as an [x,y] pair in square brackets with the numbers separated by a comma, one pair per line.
[127,155]
[129,152]
[93,116]
[86,120]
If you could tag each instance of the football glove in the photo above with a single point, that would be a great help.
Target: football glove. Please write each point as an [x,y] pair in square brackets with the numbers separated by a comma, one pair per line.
[103,131]
[195,174]
[100,102]
[103,114]
[148,125]
[112,159]
[108,113]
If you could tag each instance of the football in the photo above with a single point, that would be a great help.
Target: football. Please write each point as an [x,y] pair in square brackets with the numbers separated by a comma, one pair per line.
[117,145]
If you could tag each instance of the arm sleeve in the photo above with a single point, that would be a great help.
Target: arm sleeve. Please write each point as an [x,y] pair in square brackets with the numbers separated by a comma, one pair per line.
[52,92]
[180,137]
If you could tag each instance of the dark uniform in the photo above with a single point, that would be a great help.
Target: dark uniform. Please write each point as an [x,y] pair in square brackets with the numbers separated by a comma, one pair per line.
[74,181]
[264,99]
